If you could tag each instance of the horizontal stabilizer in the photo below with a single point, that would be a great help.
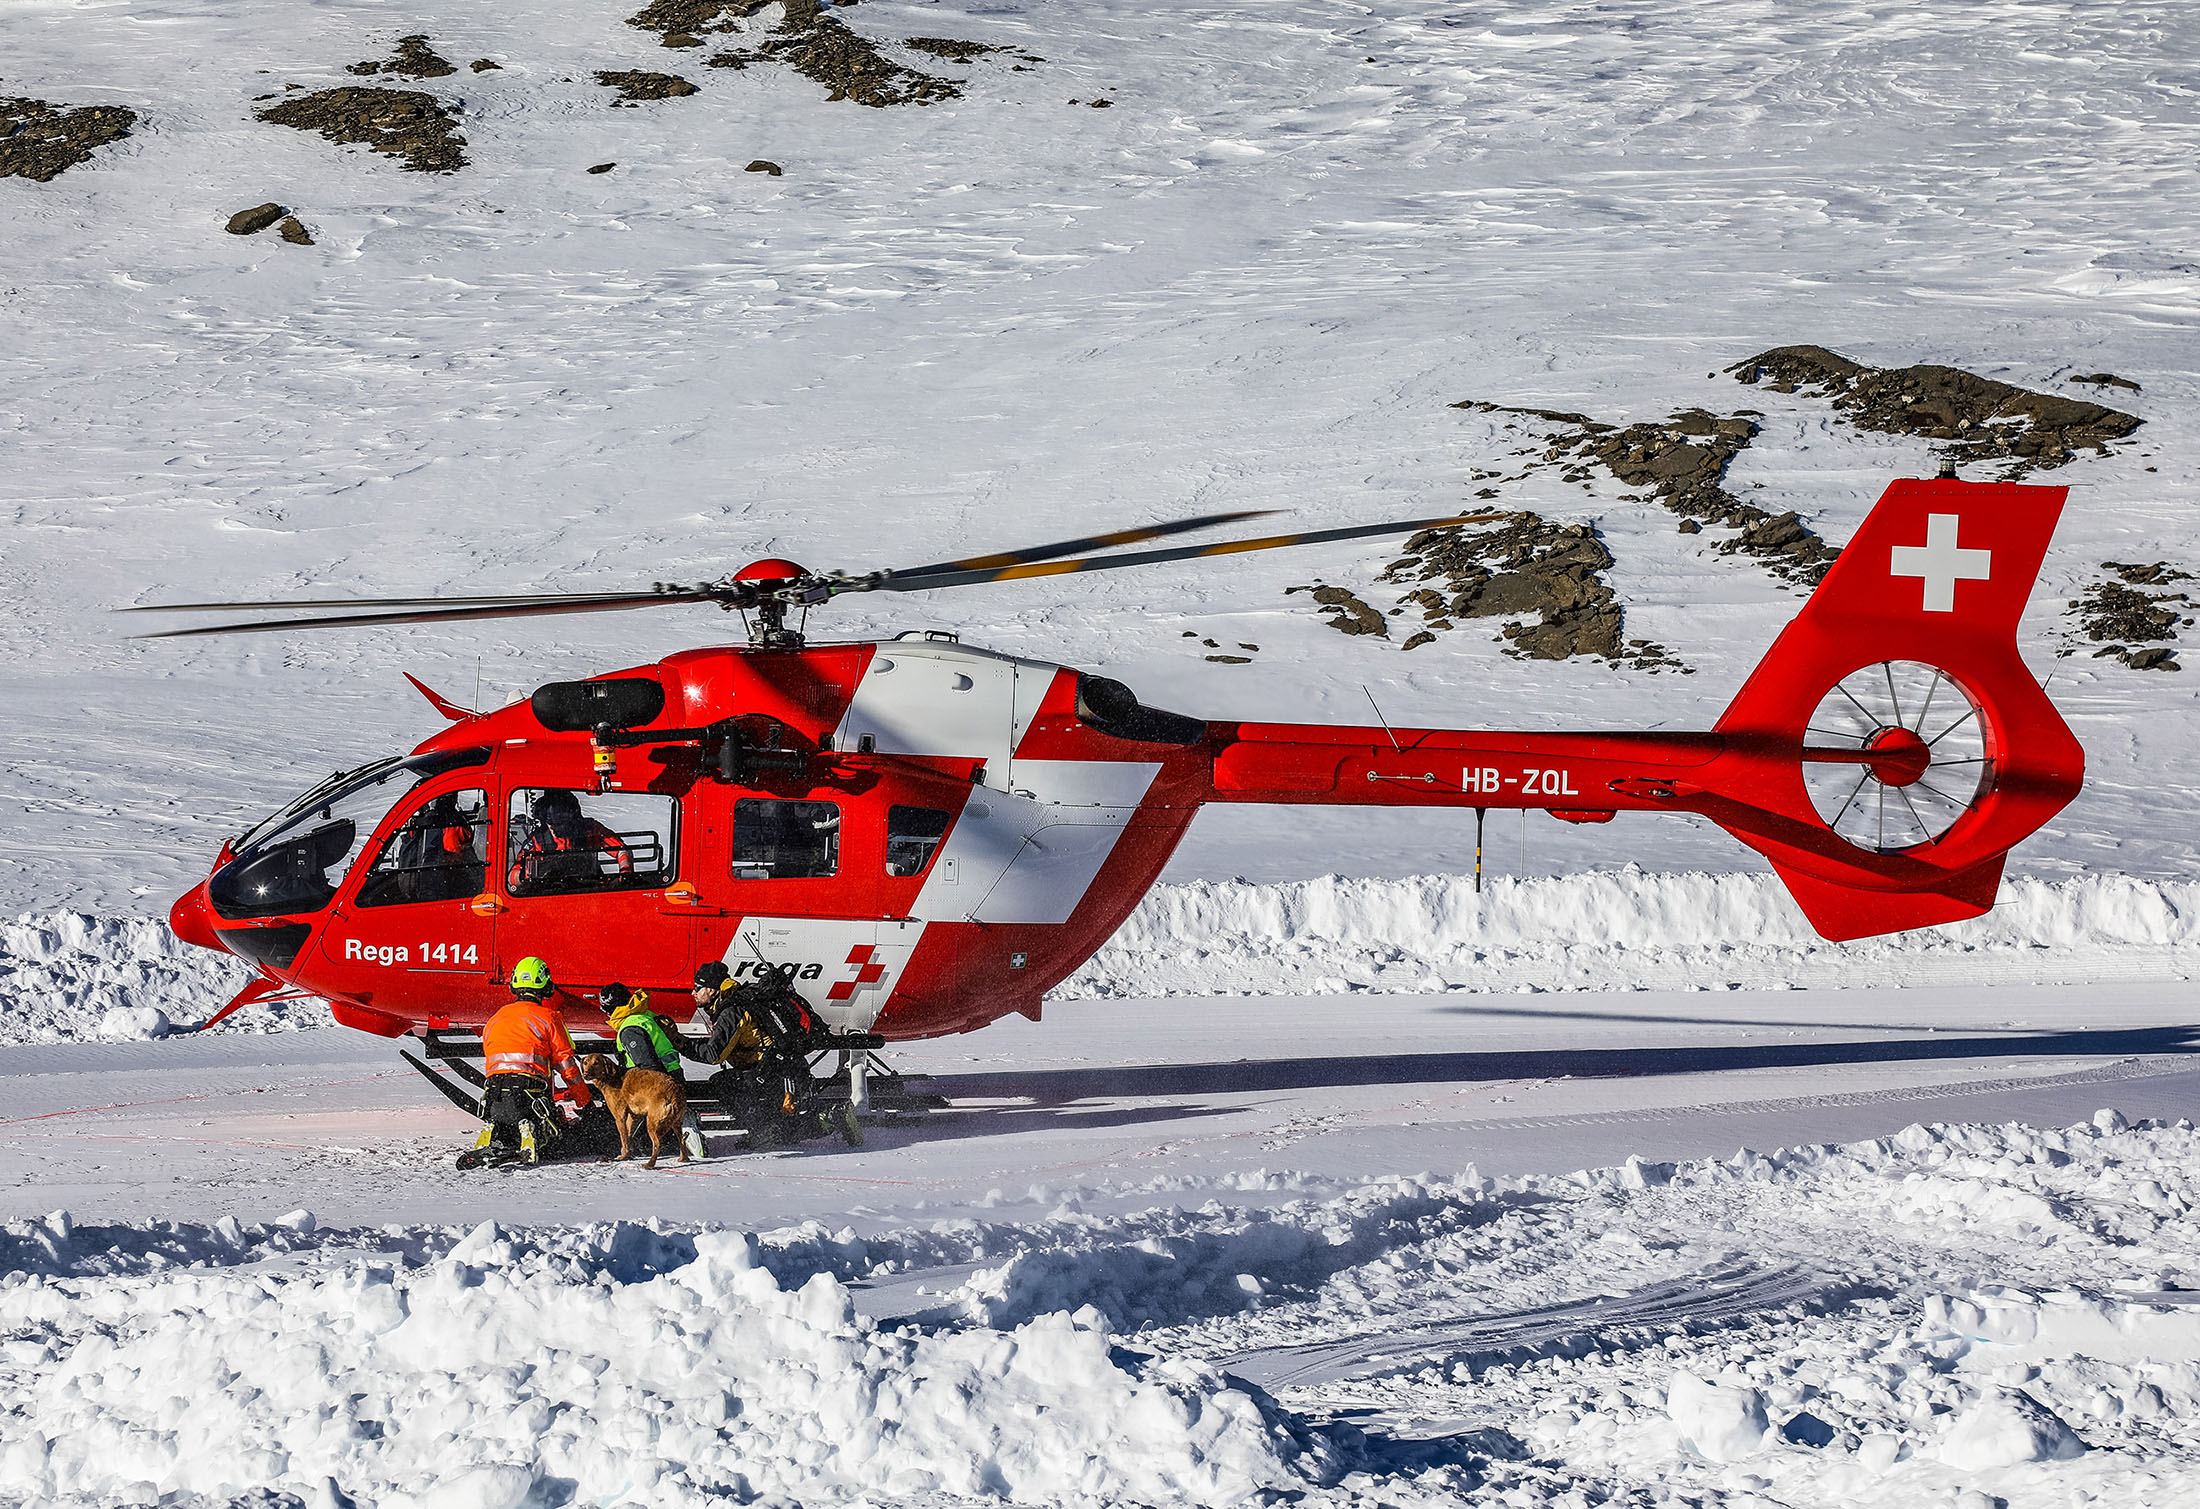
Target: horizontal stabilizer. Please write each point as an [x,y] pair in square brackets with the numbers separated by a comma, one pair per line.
[1842,912]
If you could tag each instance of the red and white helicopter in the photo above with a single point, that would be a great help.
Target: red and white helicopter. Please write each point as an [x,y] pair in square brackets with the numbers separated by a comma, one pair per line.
[931,834]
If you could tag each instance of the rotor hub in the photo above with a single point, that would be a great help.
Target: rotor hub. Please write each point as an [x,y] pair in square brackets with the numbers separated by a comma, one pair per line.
[770,569]
[1896,756]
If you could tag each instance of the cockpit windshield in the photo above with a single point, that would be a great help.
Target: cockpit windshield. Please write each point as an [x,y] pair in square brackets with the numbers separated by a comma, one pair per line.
[294,861]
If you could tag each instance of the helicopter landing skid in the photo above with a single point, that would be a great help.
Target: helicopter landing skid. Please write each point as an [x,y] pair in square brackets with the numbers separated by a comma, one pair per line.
[470,1104]
[883,1095]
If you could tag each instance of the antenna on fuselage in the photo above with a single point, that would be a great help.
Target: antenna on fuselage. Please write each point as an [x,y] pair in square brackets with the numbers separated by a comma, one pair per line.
[1394,744]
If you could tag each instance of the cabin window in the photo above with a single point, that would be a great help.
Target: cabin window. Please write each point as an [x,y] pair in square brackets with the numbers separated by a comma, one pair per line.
[774,840]
[912,834]
[439,853]
[562,842]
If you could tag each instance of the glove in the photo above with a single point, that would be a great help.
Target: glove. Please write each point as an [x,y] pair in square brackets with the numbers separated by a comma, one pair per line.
[578,1095]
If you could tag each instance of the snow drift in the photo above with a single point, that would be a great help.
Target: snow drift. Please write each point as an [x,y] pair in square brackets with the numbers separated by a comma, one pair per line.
[1620,929]
[500,1369]
[66,975]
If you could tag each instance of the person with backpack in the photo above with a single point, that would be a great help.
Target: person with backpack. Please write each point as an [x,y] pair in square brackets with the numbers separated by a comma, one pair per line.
[756,1036]
[646,1041]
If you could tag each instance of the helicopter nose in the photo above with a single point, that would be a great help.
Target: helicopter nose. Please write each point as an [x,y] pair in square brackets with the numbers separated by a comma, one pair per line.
[192,920]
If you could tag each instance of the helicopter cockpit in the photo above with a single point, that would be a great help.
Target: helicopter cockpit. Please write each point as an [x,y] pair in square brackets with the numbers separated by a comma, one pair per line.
[294,861]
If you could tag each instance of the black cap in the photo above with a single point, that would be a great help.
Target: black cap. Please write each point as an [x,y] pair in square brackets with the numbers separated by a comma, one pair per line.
[712,973]
[613,996]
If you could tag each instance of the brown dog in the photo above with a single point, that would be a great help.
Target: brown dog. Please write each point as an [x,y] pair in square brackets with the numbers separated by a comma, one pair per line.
[638,1096]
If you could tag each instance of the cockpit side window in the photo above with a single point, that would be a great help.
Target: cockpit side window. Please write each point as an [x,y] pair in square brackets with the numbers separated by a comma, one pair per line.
[439,853]
[1113,708]
[293,862]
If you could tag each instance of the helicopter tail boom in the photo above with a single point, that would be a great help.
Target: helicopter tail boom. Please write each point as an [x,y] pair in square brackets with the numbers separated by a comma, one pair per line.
[1885,755]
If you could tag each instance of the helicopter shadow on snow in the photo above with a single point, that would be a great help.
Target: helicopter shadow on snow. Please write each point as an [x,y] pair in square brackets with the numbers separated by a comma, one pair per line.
[1052,1088]
[1028,1114]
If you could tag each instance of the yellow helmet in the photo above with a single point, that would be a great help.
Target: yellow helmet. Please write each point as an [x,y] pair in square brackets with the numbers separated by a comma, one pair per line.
[531,973]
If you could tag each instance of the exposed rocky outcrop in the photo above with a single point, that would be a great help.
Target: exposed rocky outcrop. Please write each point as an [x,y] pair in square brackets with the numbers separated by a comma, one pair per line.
[252,221]
[2136,627]
[1526,566]
[40,140]
[415,60]
[958,50]
[1344,611]
[821,47]
[1682,460]
[636,84]
[1976,418]
[404,123]
[685,23]
[953,49]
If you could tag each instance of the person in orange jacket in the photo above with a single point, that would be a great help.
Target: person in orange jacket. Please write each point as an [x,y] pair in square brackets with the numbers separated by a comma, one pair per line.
[524,1044]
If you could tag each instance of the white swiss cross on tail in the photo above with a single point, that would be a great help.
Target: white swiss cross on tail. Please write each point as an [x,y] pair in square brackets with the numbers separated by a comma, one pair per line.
[1940,562]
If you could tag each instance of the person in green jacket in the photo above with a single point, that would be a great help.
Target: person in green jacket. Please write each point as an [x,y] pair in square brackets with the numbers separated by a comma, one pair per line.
[646,1042]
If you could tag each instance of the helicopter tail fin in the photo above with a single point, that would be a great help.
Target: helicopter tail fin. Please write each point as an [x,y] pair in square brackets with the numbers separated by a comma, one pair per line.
[1903,746]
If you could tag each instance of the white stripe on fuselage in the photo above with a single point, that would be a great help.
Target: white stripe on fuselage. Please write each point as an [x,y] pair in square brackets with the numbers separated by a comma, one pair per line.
[844,967]
[1031,854]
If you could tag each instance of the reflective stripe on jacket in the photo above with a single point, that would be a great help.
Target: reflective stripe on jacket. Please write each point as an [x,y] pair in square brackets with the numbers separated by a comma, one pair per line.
[529,1037]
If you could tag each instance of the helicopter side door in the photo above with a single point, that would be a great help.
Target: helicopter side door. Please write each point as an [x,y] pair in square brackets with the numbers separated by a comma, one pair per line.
[587,876]
[407,913]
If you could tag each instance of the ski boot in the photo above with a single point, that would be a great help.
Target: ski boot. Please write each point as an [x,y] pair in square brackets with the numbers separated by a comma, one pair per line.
[527,1142]
[483,1149]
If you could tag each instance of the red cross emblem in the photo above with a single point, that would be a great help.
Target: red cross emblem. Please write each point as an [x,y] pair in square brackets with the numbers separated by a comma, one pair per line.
[867,973]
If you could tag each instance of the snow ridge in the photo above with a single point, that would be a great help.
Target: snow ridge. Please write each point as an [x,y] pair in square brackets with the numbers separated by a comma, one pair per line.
[69,975]
[1616,930]
[500,1369]
[66,976]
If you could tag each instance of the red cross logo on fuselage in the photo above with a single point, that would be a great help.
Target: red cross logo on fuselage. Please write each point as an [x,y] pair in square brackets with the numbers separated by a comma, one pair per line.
[867,973]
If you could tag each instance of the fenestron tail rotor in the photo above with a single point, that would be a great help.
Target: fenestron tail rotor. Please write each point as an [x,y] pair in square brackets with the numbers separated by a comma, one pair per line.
[773,587]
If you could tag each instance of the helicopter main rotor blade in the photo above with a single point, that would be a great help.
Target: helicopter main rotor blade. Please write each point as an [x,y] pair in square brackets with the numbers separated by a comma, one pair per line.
[1072,547]
[524,609]
[513,599]
[903,582]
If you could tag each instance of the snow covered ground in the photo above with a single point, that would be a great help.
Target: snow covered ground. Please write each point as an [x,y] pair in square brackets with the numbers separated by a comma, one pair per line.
[1285,1201]
[1367,1249]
